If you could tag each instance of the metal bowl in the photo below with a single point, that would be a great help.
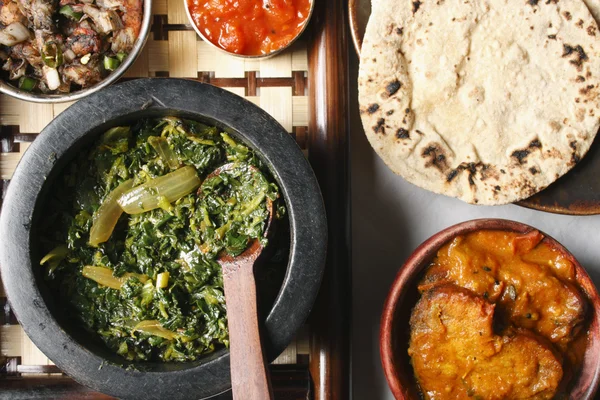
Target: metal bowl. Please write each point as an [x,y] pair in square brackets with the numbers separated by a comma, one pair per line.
[249,57]
[13,91]
[74,350]
[403,295]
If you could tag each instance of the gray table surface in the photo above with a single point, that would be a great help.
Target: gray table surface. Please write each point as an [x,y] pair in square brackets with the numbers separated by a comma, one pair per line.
[391,217]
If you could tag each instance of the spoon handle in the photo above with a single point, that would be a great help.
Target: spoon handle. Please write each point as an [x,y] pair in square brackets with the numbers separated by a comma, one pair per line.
[249,377]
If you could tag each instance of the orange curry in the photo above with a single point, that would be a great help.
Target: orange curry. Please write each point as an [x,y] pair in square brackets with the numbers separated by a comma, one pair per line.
[500,316]
[250,27]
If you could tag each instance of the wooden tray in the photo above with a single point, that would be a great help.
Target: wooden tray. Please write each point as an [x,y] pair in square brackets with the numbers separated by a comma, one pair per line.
[305,90]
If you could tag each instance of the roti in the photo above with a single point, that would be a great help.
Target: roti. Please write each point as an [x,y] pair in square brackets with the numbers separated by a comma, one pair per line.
[487,101]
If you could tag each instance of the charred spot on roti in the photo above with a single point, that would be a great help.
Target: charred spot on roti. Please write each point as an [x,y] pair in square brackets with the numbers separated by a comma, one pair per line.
[502,171]
[389,112]
[580,79]
[436,157]
[402,134]
[520,155]
[472,170]
[585,90]
[533,170]
[399,30]
[451,175]
[532,2]
[372,108]
[380,127]
[567,15]
[579,23]
[574,156]
[497,188]
[591,30]
[416,5]
[393,87]
[535,144]
[555,125]
[553,37]
[485,172]
[580,55]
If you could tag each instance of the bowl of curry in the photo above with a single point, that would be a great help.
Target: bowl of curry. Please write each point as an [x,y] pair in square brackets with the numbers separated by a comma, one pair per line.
[487,309]
[113,226]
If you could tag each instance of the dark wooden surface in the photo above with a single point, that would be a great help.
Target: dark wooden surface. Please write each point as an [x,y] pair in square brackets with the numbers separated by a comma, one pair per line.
[327,145]
[290,382]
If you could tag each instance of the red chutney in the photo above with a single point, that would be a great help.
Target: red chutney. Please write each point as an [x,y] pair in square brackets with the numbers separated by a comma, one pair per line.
[250,27]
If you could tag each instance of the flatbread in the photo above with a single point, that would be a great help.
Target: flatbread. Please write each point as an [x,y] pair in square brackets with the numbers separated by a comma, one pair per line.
[487,101]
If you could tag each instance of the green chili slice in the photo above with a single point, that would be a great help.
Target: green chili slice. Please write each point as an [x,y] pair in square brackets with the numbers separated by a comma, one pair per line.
[68,12]
[27,84]
[52,55]
[110,63]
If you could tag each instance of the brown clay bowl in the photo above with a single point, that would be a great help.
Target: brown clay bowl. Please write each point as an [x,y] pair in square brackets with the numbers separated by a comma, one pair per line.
[394,333]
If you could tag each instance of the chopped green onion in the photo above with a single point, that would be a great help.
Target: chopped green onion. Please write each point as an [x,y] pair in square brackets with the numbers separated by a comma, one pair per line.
[253,205]
[110,63]
[153,193]
[165,152]
[68,11]
[104,276]
[57,253]
[27,84]
[54,257]
[153,327]
[206,142]
[52,54]
[227,139]
[162,280]
[121,56]
[105,219]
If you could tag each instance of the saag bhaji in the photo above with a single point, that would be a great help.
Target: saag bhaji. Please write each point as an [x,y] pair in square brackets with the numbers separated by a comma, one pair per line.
[136,229]
[500,316]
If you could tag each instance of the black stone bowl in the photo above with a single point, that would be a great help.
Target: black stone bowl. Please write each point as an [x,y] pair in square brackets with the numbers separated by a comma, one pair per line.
[76,352]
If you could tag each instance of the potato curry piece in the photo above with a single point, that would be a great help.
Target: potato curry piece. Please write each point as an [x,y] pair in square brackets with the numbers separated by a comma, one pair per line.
[532,283]
[500,317]
[456,354]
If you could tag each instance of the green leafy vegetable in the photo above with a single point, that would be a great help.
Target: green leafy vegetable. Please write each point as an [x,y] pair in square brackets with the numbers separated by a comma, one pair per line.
[148,284]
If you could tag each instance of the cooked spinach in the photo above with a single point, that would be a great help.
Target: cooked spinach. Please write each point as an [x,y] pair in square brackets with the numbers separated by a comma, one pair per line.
[153,289]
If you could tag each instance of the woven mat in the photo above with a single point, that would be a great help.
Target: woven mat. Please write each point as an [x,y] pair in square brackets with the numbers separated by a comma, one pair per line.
[173,49]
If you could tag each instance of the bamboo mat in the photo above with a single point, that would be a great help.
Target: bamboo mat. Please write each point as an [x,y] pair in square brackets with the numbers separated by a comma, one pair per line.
[278,85]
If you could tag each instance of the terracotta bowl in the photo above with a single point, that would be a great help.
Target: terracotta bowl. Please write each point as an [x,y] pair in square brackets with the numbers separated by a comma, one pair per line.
[394,333]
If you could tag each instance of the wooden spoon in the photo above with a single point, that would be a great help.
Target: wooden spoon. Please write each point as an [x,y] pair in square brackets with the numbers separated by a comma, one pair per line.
[249,377]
